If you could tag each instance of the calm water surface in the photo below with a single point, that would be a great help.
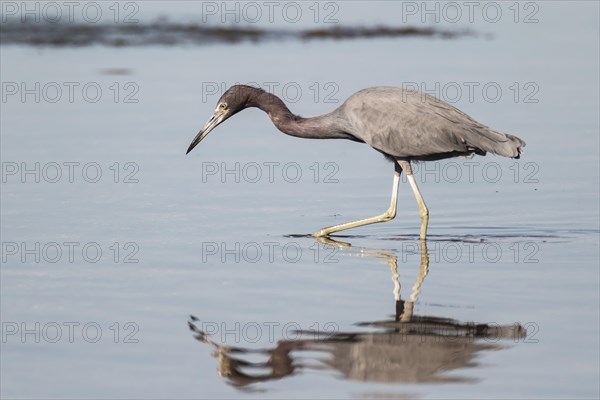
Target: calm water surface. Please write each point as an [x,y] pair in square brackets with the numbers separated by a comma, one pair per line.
[193,276]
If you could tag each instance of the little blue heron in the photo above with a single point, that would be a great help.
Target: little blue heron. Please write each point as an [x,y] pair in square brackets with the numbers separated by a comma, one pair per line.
[403,125]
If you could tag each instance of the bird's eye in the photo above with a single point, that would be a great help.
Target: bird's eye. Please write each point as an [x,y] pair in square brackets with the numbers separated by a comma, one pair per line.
[223,106]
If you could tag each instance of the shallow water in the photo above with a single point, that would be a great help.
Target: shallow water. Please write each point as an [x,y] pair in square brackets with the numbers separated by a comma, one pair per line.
[222,233]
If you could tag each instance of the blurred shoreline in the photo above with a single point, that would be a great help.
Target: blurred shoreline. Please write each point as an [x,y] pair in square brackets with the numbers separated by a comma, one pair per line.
[167,34]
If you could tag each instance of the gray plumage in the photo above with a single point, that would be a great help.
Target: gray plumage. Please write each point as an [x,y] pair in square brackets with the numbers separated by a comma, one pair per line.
[416,126]
[402,124]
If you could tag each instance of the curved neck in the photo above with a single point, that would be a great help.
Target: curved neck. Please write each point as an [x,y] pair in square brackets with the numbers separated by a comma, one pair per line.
[328,126]
[267,102]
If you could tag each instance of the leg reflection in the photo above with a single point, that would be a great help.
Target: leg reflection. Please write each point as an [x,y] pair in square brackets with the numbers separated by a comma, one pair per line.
[404,309]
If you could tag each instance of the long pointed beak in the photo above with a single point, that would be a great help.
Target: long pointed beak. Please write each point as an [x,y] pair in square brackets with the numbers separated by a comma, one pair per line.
[215,120]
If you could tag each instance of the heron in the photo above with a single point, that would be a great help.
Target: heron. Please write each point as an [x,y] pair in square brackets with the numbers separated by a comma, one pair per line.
[403,124]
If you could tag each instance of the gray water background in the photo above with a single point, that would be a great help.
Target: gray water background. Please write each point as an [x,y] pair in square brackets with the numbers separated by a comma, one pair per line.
[172,214]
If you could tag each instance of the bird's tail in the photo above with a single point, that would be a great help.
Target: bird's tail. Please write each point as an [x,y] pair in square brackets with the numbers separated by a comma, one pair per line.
[502,144]
[512,147]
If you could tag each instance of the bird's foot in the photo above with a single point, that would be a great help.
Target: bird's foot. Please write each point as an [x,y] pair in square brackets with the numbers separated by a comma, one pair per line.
[327,241]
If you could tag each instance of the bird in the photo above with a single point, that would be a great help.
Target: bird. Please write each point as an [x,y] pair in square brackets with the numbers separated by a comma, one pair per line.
[403,124]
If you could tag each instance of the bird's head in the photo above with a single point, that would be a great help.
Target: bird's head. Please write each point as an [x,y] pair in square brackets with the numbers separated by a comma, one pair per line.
[234,100]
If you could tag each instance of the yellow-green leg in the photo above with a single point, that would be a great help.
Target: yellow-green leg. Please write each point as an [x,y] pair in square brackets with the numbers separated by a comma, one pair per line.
[390,214]
[386,216]
[423,211]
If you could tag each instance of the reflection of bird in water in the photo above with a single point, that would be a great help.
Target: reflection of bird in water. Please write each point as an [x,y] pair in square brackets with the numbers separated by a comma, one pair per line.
[408,348]
[401,124]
